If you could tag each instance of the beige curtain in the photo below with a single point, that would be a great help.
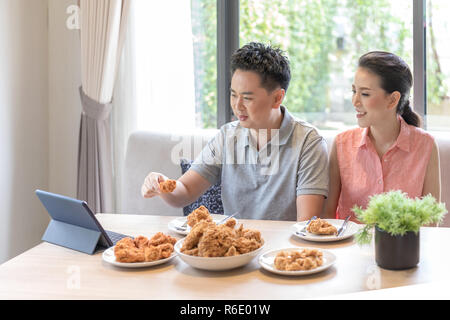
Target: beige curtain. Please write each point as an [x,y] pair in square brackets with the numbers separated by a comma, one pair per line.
[103,28]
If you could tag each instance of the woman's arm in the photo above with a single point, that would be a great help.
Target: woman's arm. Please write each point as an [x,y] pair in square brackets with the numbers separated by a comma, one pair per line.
[334,187]
[432,183]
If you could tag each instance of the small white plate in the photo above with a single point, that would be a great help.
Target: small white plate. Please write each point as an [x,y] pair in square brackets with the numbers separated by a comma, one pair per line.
[267,259]
[108,256]
[178,222]
[352,228]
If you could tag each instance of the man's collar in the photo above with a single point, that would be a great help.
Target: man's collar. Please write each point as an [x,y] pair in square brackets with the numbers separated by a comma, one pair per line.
[287,125]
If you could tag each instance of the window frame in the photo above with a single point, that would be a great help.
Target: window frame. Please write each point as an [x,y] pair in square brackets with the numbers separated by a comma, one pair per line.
[419,59]
[227,43]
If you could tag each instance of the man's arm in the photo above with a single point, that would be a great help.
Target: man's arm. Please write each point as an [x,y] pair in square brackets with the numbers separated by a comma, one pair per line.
[312,184]
[204,172]
[188,188]
[309,205]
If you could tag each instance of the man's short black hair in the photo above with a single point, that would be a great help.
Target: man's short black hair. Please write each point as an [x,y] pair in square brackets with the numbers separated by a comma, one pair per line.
[269,62]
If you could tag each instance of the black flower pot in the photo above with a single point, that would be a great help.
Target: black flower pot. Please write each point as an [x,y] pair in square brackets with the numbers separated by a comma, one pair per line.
[396,252]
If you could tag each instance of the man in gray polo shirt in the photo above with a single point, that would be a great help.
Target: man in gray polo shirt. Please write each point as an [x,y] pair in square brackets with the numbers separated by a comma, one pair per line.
[271,165]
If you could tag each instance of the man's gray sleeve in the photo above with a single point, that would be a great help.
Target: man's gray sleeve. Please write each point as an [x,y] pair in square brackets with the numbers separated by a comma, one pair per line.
[312,175]
[209,162]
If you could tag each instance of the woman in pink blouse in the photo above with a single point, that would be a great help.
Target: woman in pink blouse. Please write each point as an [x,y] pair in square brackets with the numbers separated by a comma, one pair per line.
[388,151]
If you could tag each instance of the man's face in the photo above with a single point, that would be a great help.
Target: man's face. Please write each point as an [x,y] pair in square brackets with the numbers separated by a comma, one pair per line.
[251,103]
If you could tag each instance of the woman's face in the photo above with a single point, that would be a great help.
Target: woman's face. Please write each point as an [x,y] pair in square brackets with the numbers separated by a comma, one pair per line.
[372,103]
[252,104]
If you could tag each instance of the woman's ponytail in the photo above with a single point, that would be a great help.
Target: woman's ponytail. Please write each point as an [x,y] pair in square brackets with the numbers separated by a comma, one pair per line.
[409,115]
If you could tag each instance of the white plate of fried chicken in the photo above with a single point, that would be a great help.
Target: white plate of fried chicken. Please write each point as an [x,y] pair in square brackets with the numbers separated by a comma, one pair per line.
[141,252]
[297,261]
[323,230]
[109,257]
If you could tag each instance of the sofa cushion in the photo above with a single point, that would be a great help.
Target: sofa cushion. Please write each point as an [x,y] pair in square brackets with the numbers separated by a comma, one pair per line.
[211,199]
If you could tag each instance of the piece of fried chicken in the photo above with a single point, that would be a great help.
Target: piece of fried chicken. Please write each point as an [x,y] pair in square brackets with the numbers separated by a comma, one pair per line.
[320,226]
[207,239]
[141,249]
[247,240]
[193,238]
[199,214]
[305,259]
[161,238]
[167,186]
[216,241]
[127,251]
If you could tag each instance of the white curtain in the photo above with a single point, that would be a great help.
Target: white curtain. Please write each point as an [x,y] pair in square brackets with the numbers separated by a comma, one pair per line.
[103,27]
[155,84]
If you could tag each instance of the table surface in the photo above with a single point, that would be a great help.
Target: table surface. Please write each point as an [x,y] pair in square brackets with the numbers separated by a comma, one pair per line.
[48,271]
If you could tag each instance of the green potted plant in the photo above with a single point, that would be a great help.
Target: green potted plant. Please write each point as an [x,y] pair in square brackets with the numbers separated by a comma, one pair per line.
[397,220]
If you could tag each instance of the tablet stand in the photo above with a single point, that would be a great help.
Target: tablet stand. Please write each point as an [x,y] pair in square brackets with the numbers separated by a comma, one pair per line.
[72,237]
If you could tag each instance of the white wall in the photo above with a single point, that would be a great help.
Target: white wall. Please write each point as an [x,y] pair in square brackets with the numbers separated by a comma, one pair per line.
[24,142]
[64,100]
[39,115]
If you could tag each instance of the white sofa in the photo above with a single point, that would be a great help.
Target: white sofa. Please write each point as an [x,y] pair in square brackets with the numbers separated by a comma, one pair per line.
[161,152]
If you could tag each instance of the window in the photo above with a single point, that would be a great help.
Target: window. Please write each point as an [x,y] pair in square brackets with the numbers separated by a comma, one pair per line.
[323,40]
[204,29]
[438,65]
[162,54]
[178,71]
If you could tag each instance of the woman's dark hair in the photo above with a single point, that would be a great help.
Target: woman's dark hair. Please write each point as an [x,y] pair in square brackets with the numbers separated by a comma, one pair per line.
[270,63]
[395,75]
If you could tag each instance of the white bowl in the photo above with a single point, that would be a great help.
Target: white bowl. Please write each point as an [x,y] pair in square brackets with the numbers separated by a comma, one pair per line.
[216,263]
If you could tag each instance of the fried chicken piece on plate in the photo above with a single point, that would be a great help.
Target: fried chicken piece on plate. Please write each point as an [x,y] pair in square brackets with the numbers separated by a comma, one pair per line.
[231,252]
[194,235]
[161,238]
[142,249]
[199,214]
[126,251]
[298,260]
[248,233]
[320,226]
[151,253]
[244,245]
[231,223]
[167,186]
[166,250]
[162,251]
[140,241]
[207,239]
[216,241]
[281,260]
[191,252]
[124,243]
[247,240]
